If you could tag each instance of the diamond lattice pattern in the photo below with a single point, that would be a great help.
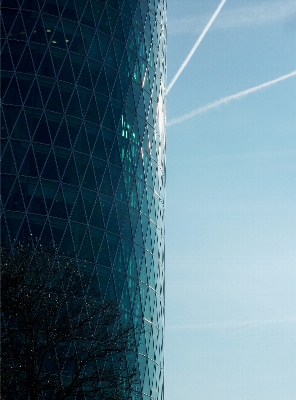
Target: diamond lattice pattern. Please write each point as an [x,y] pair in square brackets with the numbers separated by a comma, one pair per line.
[83,147]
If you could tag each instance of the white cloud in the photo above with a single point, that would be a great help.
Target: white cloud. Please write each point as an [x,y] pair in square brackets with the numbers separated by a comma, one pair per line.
[238,17]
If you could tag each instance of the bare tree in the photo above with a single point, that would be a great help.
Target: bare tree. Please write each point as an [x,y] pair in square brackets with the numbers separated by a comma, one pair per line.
[59,339]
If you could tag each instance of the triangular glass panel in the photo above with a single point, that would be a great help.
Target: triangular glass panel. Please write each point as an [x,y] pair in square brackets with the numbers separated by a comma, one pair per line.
[104,41]
[126,9]
[6,63]
[19,150]
[127,248]
[104,275]
[81,144]
[113,16]
[66,92]
[91,132]
[15,200]
[77,62]
[42,132]
[108,120]
[121,193]
[26,63]
[20,130]
[101,86]
[119,263]
[54,103]
[89,181]
[116,92]
[58,38]
[119,50]
[66,73]
[49,189]
[102,102]
[86,252]
[103,256]
[97,8]
[7,163]
[139,234]
[95,50]
[119,284]
[95,68]
[106,205]
[84,78]
[54,120]
[87,35]
[89,201]
[113,244]
[96,236]
[110,57]
[115,174]
[34,96]
[73,106]
[37,204]
[46,235]
[24,234]
[92,114]
[108,140]
[29,167]
[78,231]
[77,45]
[97,218]
[118,32]
[103,25]
[84,97]
[106,186]
[81,161]
[50,170]
[70,11]
[111,76]
[24,85]
[87,17]
[78,213]
[66,246]
[70,194]
[99,149]
[12,95]
[74,126]
[99,169]
[121,212]
[46,90]
[62,138]
[18,48]
[58,208]
[126,230]
[58,227]
[113,223]
[114,157]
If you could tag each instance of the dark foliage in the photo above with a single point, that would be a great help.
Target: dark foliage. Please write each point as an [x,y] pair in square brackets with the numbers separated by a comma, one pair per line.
[59,339]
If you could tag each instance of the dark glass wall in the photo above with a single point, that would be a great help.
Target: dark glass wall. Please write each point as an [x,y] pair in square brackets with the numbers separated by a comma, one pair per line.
[83,148]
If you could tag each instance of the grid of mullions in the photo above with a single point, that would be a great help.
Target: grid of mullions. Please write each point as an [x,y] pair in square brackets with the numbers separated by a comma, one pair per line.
[83,152]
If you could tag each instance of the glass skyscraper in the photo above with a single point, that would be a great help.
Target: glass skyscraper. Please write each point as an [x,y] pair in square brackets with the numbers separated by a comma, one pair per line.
[83,148]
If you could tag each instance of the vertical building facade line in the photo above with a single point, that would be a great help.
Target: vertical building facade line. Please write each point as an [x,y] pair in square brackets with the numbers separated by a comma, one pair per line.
[83,148]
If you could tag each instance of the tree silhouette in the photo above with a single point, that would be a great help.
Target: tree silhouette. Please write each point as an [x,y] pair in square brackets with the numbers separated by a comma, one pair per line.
[59,339]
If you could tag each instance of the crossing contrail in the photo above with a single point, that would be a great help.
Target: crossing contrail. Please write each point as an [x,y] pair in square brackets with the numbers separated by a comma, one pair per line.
[227,99]
[197,43]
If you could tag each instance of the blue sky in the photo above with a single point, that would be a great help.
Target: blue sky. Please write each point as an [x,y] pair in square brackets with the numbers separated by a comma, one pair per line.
[230,204]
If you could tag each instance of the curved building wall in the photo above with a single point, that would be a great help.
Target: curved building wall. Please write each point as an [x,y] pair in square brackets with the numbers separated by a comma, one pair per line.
[83,147]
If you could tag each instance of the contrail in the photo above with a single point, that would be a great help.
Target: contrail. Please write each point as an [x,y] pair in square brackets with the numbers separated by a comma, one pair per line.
[233,324]
[195,46]
[227,99]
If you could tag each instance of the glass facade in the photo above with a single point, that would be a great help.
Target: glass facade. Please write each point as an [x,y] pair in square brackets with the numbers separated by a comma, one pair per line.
[83,148]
